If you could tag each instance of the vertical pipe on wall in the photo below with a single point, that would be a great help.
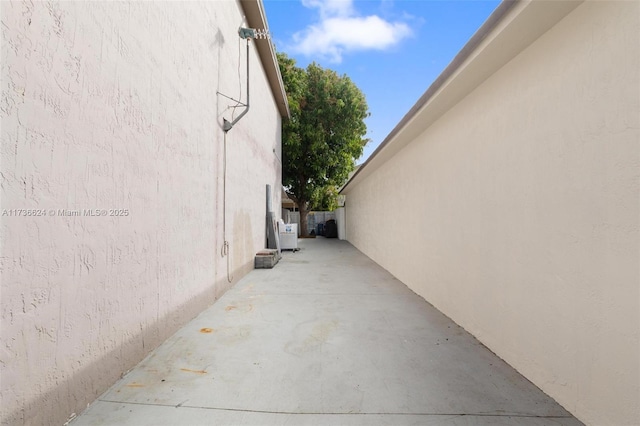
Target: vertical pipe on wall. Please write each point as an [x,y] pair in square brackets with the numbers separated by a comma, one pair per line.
[228,125]
[225,245]
[268,216]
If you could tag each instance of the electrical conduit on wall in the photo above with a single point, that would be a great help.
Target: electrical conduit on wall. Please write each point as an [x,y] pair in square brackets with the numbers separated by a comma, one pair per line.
[224,252]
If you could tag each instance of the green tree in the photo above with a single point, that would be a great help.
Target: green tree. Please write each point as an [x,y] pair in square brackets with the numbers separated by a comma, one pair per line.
[324,136]
[324,199]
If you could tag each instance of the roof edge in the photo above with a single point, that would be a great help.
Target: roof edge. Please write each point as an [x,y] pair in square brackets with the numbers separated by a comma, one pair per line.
[457,61]
[495,37]
[256,18]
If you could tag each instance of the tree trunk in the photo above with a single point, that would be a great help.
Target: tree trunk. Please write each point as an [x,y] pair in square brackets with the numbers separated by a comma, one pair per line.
[302,207]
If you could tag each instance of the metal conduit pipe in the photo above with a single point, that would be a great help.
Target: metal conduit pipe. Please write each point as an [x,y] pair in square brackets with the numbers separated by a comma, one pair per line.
[228,125]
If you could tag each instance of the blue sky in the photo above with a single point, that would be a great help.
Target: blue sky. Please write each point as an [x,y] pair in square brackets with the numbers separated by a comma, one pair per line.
[392,50]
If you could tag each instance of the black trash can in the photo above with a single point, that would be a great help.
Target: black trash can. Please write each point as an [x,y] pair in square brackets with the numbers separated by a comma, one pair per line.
[331,229]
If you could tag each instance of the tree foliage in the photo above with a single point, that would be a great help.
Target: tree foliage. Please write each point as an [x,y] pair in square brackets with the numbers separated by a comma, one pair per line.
[324,199]
[324,136]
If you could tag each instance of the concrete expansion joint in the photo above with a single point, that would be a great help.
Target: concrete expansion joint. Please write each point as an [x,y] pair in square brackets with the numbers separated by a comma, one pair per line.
[319,413]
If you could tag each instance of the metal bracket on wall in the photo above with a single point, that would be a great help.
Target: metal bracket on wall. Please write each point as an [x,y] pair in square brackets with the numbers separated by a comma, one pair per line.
[246,34]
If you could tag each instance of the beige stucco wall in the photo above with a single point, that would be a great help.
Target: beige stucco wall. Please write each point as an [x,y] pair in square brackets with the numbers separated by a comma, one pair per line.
[113,105]
[517,212]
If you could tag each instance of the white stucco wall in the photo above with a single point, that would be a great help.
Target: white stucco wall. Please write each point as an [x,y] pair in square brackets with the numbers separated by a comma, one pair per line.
[517,212]
[113,105]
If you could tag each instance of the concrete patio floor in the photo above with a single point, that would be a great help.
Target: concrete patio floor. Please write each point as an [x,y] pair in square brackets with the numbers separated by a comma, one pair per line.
[327,337]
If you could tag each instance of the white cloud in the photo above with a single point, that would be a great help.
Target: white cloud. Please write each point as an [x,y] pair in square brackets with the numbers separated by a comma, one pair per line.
[340,30]
[330,8]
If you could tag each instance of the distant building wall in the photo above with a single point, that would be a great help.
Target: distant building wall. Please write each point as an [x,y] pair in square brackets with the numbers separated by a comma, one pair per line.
[113,105]
[520,210]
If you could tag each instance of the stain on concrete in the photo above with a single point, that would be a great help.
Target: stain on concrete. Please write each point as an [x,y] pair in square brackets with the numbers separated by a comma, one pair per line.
[188,370]
[310,336]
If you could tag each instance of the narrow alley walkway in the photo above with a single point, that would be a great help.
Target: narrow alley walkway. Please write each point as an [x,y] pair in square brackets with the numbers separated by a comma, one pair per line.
[327,337]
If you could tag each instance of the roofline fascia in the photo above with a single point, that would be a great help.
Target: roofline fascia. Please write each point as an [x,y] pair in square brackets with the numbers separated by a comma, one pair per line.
[466,56]
[256,18]
[457,61]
